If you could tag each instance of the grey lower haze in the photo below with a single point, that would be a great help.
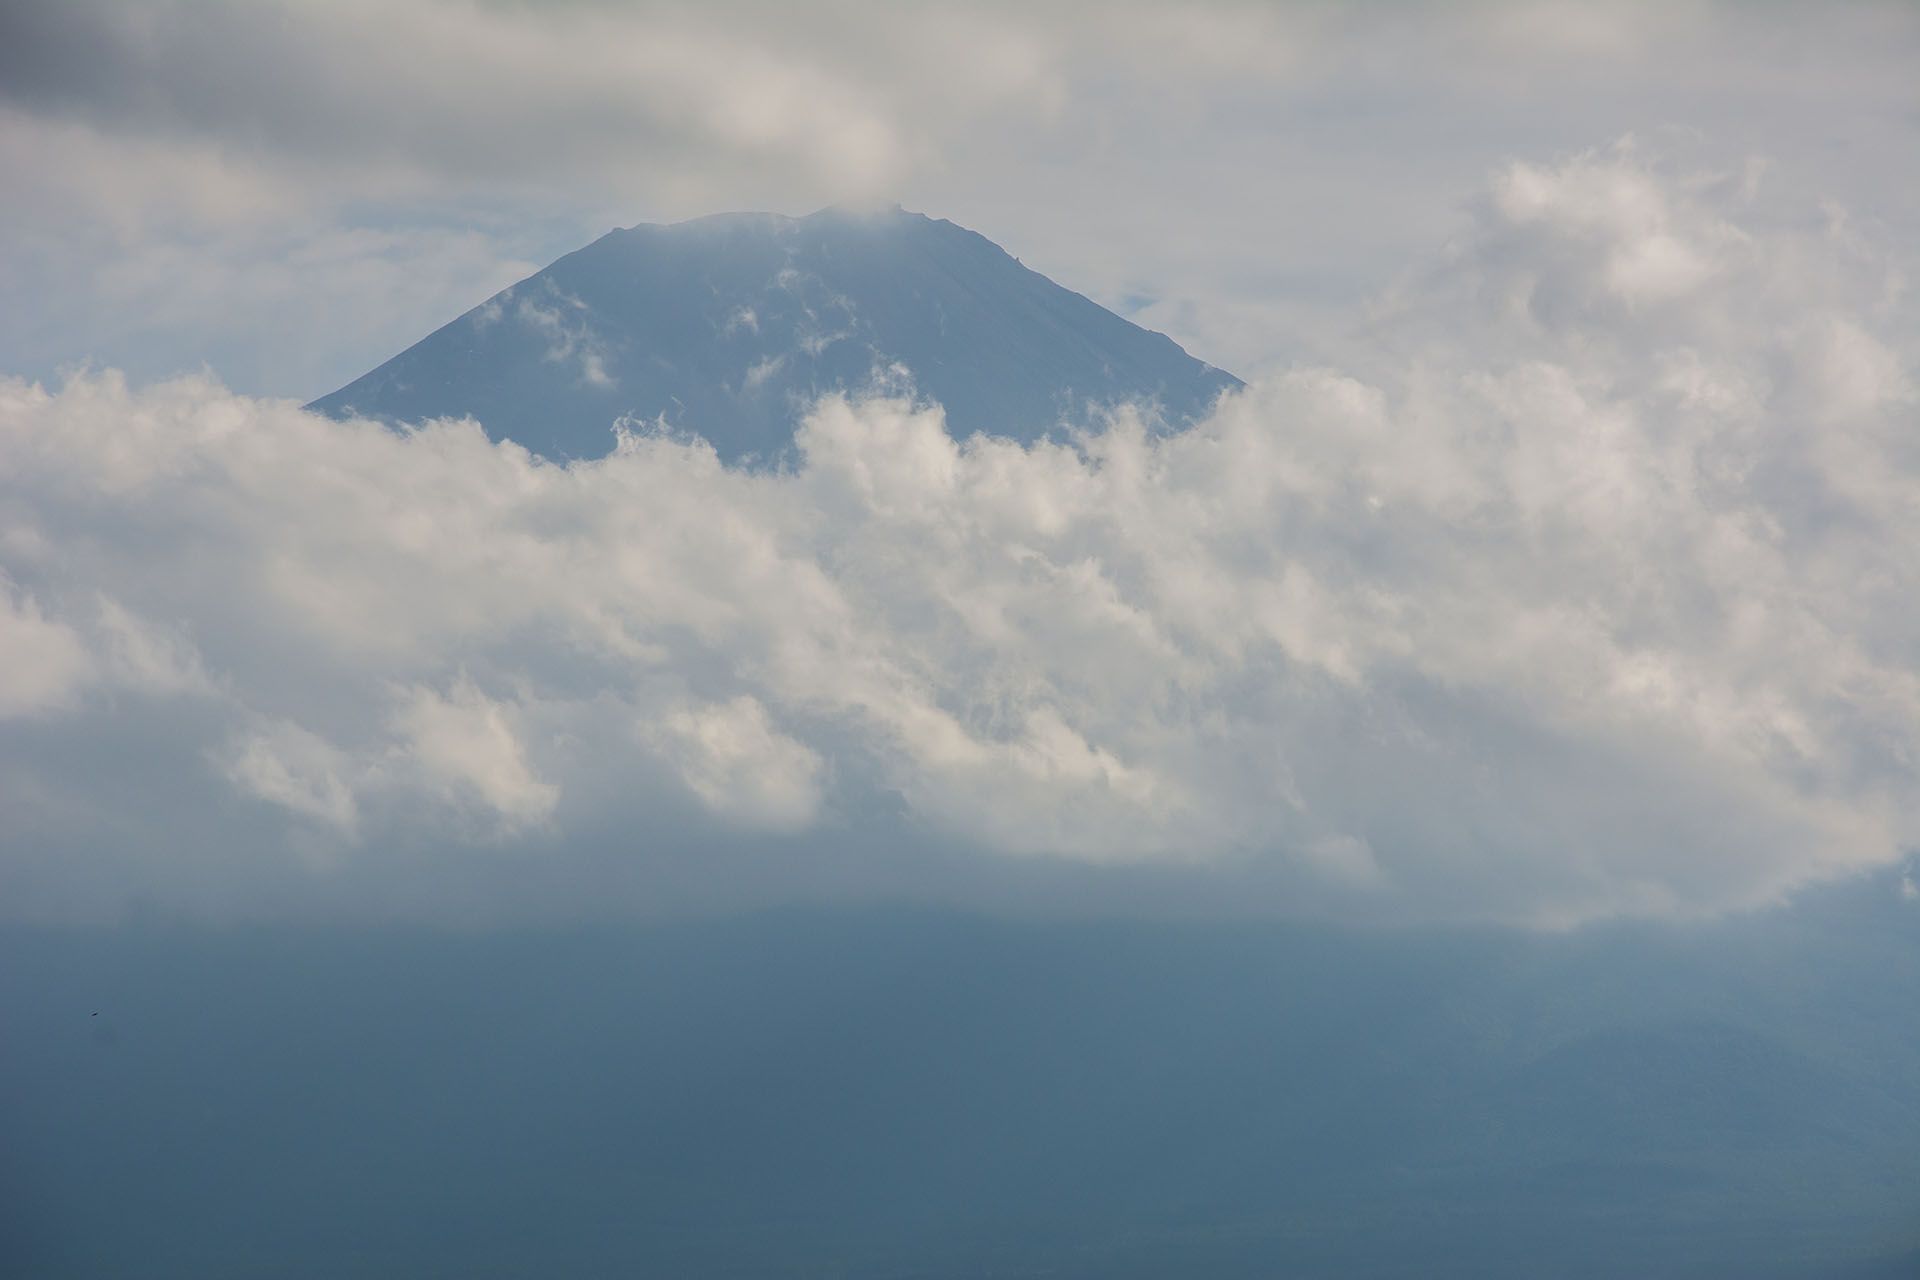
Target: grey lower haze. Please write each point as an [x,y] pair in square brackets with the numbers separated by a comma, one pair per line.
[732,326]
[893,1092]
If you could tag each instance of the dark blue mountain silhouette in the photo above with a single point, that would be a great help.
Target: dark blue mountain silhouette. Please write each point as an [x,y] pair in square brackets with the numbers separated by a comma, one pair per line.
[730,326]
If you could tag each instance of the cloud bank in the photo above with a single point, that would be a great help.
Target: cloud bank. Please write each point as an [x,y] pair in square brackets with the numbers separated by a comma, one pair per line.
[1589,595]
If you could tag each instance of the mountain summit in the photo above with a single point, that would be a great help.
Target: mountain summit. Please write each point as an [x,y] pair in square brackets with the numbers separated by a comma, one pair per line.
[730,326]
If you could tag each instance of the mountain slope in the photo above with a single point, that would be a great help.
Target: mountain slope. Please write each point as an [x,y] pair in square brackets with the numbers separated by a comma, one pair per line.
[730,325]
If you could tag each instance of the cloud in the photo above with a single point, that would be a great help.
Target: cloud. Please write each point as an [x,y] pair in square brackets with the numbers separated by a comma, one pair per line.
[452,90]
[742,768]
[464,746]
[46,663]
[162,254]
[567,343]
[1588,594]
[286,765]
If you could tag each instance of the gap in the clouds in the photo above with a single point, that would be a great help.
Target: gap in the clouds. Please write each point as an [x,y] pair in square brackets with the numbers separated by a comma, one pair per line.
[890,1090]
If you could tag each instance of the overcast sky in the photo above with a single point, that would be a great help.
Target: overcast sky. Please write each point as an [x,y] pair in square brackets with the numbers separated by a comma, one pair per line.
[290,193]
[1558,563]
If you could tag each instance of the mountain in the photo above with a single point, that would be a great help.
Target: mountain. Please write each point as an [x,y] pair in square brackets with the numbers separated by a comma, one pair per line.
[730,325]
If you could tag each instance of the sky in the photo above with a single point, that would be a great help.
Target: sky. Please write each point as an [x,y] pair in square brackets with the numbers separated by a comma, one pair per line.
[1556,565]
[289,193]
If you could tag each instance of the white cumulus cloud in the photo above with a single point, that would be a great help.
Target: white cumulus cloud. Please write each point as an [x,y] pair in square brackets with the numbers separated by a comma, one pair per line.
[1588,594]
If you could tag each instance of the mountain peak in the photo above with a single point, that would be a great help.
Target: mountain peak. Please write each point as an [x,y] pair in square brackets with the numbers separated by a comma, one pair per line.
[729,325]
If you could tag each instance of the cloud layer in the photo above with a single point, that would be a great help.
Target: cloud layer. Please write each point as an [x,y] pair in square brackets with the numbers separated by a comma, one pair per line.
[1590,594]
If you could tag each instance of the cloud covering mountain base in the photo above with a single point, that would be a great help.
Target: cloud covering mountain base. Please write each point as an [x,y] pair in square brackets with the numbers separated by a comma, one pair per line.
[1586,591]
